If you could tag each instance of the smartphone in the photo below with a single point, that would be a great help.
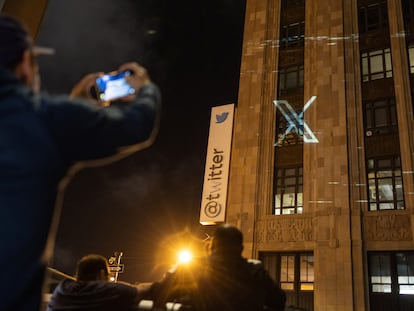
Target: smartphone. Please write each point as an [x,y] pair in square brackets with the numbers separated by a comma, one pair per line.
[113,85]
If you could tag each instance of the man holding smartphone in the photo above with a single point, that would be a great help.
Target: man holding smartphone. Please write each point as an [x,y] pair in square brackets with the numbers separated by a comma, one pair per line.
[40,139]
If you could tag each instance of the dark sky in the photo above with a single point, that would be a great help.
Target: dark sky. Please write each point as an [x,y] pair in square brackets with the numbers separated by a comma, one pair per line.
[192,50]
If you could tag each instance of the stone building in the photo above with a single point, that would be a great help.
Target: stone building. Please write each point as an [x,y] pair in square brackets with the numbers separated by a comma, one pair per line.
[321,175]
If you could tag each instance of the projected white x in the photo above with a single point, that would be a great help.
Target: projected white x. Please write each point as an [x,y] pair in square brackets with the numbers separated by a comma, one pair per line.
[295,121]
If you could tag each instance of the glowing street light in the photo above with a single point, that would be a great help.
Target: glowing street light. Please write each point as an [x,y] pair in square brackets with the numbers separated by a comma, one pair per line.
[184,256]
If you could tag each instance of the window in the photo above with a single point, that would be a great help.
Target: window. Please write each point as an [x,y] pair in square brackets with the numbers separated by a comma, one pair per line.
[411,58]
[380,277]
[290,78]
[292,34]
[376,65]
[290,4]
[289,191]
[289,129]
[295,272]
[373,17]
[405,271]
[385,184]
[287,272]
[380,117]
[307,276]
[391,280]
[408,12]
[390,271]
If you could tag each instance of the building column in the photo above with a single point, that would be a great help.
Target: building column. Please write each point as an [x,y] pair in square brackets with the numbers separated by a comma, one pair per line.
[403,100]
[358,194]
[249,173]
[326,167]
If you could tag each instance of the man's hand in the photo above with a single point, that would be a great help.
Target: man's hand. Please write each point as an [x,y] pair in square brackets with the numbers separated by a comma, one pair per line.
[83,88]
[139,77]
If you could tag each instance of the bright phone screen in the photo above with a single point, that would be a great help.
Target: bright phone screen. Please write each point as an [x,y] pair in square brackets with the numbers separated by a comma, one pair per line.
[112,86]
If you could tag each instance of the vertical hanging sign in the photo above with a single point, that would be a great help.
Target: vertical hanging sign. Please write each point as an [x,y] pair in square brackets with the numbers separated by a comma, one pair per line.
[216,174]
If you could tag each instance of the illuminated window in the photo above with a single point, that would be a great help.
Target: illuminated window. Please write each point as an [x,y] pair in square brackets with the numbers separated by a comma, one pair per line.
[291,137]
[290,78]
[296,272]
[287,272]
[380,117]
[391,280]
[373,17]
[405,270]
[376,65]
[307,276]
[380,273]
[289,191]
[292,34]
[385,184]
[411,58]
[392,272]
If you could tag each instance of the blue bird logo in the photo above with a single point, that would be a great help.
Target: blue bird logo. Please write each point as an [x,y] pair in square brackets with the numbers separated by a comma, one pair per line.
[220,118]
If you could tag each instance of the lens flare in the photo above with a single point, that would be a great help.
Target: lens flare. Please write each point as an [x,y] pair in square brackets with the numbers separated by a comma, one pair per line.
[184,256]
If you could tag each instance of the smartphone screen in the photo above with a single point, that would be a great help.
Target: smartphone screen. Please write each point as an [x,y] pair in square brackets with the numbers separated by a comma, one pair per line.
[113,85]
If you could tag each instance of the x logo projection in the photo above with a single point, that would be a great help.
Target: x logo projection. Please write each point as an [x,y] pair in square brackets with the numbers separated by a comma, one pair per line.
[295,121]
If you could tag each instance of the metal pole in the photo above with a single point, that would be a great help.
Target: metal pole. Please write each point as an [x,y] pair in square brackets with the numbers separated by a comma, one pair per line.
[118,256]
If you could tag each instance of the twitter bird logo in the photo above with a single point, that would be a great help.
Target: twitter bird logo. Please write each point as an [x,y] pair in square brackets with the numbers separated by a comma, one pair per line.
[220,118]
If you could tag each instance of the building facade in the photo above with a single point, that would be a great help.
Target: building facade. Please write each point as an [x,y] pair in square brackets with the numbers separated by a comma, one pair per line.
[321,174]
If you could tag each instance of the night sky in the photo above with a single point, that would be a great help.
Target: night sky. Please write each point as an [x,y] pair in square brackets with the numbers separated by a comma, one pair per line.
[192,50]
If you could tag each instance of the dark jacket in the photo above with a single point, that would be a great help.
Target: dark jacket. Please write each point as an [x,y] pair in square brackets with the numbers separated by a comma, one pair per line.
[221,283]
[93,296]
[234,284]
[40,138]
